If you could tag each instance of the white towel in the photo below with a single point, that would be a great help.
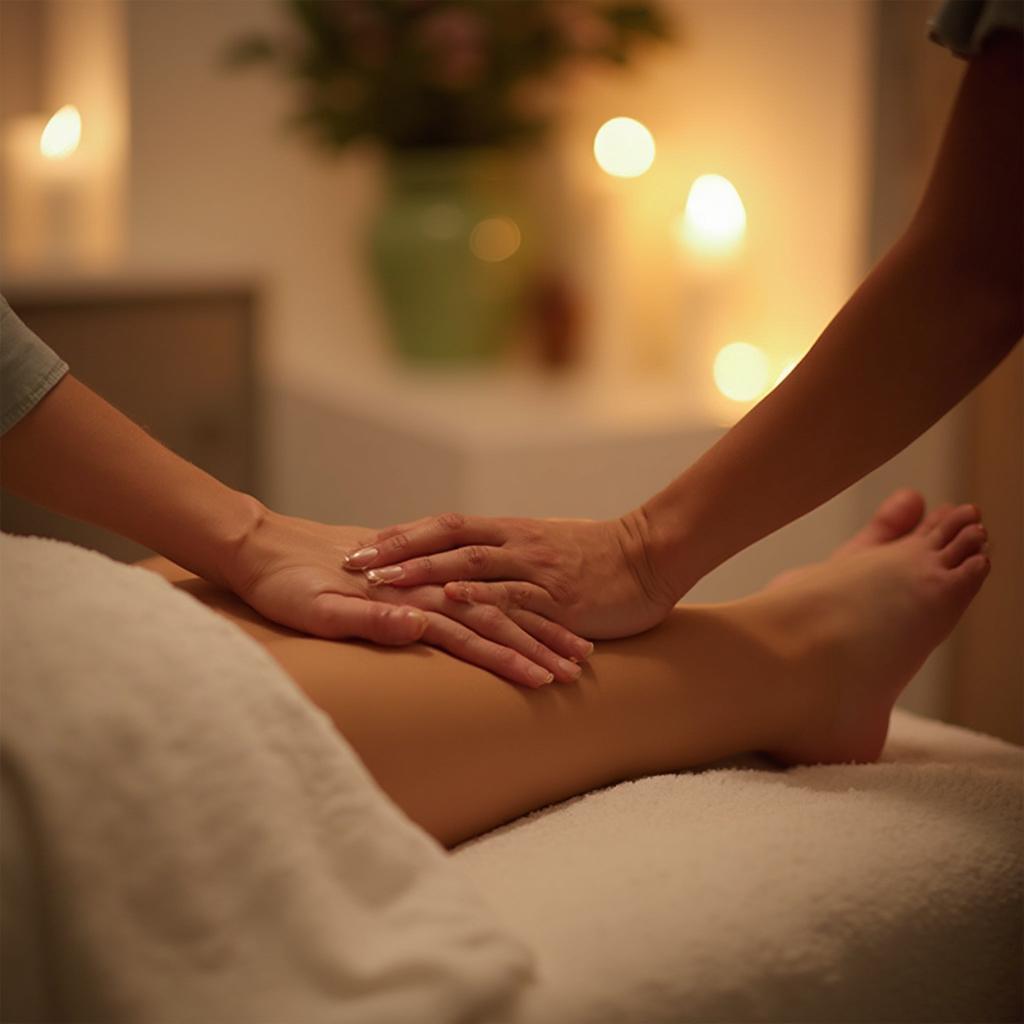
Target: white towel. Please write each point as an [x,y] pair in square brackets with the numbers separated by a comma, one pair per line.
[186,839]
[873,893]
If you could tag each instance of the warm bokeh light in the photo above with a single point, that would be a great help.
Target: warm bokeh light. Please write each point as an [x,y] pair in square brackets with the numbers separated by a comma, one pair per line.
[495,239]
[624,147]
[62,134]
[714,221]
[741,371]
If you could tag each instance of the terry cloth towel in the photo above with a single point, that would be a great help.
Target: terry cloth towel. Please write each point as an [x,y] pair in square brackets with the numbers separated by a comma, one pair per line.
[187,839]
[878,893]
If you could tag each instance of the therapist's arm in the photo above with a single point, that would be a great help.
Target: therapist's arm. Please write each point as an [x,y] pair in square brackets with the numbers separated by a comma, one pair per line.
[78,455]
[934,317]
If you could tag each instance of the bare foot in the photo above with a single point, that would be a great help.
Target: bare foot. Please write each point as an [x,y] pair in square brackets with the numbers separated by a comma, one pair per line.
[855,629]
[894,518]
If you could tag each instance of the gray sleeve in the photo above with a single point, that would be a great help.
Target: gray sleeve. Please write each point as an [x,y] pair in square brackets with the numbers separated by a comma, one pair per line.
[963,25]
[28,368]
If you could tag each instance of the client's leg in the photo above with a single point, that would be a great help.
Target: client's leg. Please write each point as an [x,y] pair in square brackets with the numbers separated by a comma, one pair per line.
[807,671]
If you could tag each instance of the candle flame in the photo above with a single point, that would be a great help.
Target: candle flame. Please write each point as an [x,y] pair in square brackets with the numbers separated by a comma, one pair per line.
[62,134]
[715,220]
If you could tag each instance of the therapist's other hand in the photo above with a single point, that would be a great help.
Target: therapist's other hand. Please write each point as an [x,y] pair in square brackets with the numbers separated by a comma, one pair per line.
[594,577]
[290,570]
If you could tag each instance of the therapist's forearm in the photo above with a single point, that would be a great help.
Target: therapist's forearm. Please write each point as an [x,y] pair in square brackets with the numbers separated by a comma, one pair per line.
[936,315]
[899,355]
[76,454]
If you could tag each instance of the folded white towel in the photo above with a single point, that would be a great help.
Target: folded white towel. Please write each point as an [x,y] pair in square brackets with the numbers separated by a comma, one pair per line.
[187,839]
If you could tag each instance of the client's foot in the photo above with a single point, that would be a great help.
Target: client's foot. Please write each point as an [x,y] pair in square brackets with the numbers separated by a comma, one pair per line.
[894,518]
[854,630]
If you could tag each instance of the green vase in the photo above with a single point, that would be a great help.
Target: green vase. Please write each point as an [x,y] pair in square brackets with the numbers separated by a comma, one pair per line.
[450,250]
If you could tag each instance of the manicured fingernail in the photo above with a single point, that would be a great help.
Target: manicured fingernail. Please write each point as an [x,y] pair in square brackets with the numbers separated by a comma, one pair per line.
[541,676]
[375,577]
[586,648]
[361,558]
[571,669]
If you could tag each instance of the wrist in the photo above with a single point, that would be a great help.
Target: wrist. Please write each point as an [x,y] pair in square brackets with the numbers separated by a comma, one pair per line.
[673,549]
[650,550]
[241,518]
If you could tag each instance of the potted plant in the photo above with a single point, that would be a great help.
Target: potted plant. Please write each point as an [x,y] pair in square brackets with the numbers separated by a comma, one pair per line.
[452,89]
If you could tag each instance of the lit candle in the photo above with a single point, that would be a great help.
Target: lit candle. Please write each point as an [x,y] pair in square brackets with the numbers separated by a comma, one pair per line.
[710,234]
[60,172]
[625,150]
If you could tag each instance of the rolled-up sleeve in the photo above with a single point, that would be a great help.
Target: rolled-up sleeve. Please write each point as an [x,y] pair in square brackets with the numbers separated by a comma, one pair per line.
[29,368]
[963,25]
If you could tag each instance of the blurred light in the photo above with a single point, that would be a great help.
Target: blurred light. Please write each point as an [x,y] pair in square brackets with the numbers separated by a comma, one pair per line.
[441,221]
[715,220]
[62,134]
[624,148]
[786,371]
[741,371]
[495,239]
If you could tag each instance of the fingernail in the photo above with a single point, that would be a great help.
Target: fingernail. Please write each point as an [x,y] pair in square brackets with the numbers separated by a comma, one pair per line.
[375,577]
[414,614]
[541,676]
[361,558]
[571,669]
[586,648]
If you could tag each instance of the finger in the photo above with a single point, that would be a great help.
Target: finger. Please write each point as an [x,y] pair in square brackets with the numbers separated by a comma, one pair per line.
[401,528]
[507,596]
[428,537]
[492,623]
[462,642]
[475,562]
[552,635]
[337,617]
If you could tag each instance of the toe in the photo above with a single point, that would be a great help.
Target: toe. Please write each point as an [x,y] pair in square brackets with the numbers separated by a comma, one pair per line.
[894,518]
[898,514]
[930,521]
[970,574]
[950,525]
[969,541]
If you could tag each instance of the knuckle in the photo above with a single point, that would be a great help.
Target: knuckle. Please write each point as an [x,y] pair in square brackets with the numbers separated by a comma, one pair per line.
[322,621]
[505,658]
[561,590]
[518,595]
[461,636]
[545,556]
[476,557]
[490,615]
[451,520]
[424,565]
[535,650]
[399,542]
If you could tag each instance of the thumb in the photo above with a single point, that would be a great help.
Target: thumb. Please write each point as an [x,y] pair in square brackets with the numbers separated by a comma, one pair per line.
[336,617]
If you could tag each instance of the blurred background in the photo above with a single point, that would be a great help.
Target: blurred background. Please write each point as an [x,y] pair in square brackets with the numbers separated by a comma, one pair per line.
[376,260]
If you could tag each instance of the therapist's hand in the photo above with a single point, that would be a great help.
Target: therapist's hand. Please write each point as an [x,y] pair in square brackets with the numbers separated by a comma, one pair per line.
[595,577]
[290,570]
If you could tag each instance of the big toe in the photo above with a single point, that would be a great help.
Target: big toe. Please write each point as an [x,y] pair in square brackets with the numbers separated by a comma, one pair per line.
[894,518]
